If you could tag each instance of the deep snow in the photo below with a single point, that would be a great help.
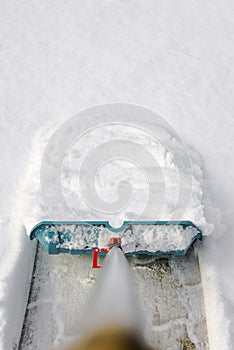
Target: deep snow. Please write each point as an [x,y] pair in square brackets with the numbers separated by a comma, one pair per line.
[176,58]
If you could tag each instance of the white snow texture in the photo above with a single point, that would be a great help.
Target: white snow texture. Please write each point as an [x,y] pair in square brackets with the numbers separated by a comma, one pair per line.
[176,58]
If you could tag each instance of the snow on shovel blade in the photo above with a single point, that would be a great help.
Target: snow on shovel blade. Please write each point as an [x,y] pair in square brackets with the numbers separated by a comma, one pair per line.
[151,238]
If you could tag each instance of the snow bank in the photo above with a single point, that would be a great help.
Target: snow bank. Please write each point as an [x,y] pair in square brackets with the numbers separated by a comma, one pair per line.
[219,326]
[16,264]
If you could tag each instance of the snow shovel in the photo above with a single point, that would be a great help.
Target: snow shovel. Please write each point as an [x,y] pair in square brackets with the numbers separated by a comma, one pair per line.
[157,238]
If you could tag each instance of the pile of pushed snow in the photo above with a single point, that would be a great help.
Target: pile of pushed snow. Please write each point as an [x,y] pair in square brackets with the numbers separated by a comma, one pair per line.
[177,188]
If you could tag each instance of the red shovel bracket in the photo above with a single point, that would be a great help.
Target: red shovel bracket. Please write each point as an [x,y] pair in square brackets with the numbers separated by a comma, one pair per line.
[114,241]
[96,254]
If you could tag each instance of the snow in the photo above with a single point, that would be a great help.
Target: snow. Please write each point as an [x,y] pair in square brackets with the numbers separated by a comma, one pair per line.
[58,58]
[91,193]
[219,325]
[15,271]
